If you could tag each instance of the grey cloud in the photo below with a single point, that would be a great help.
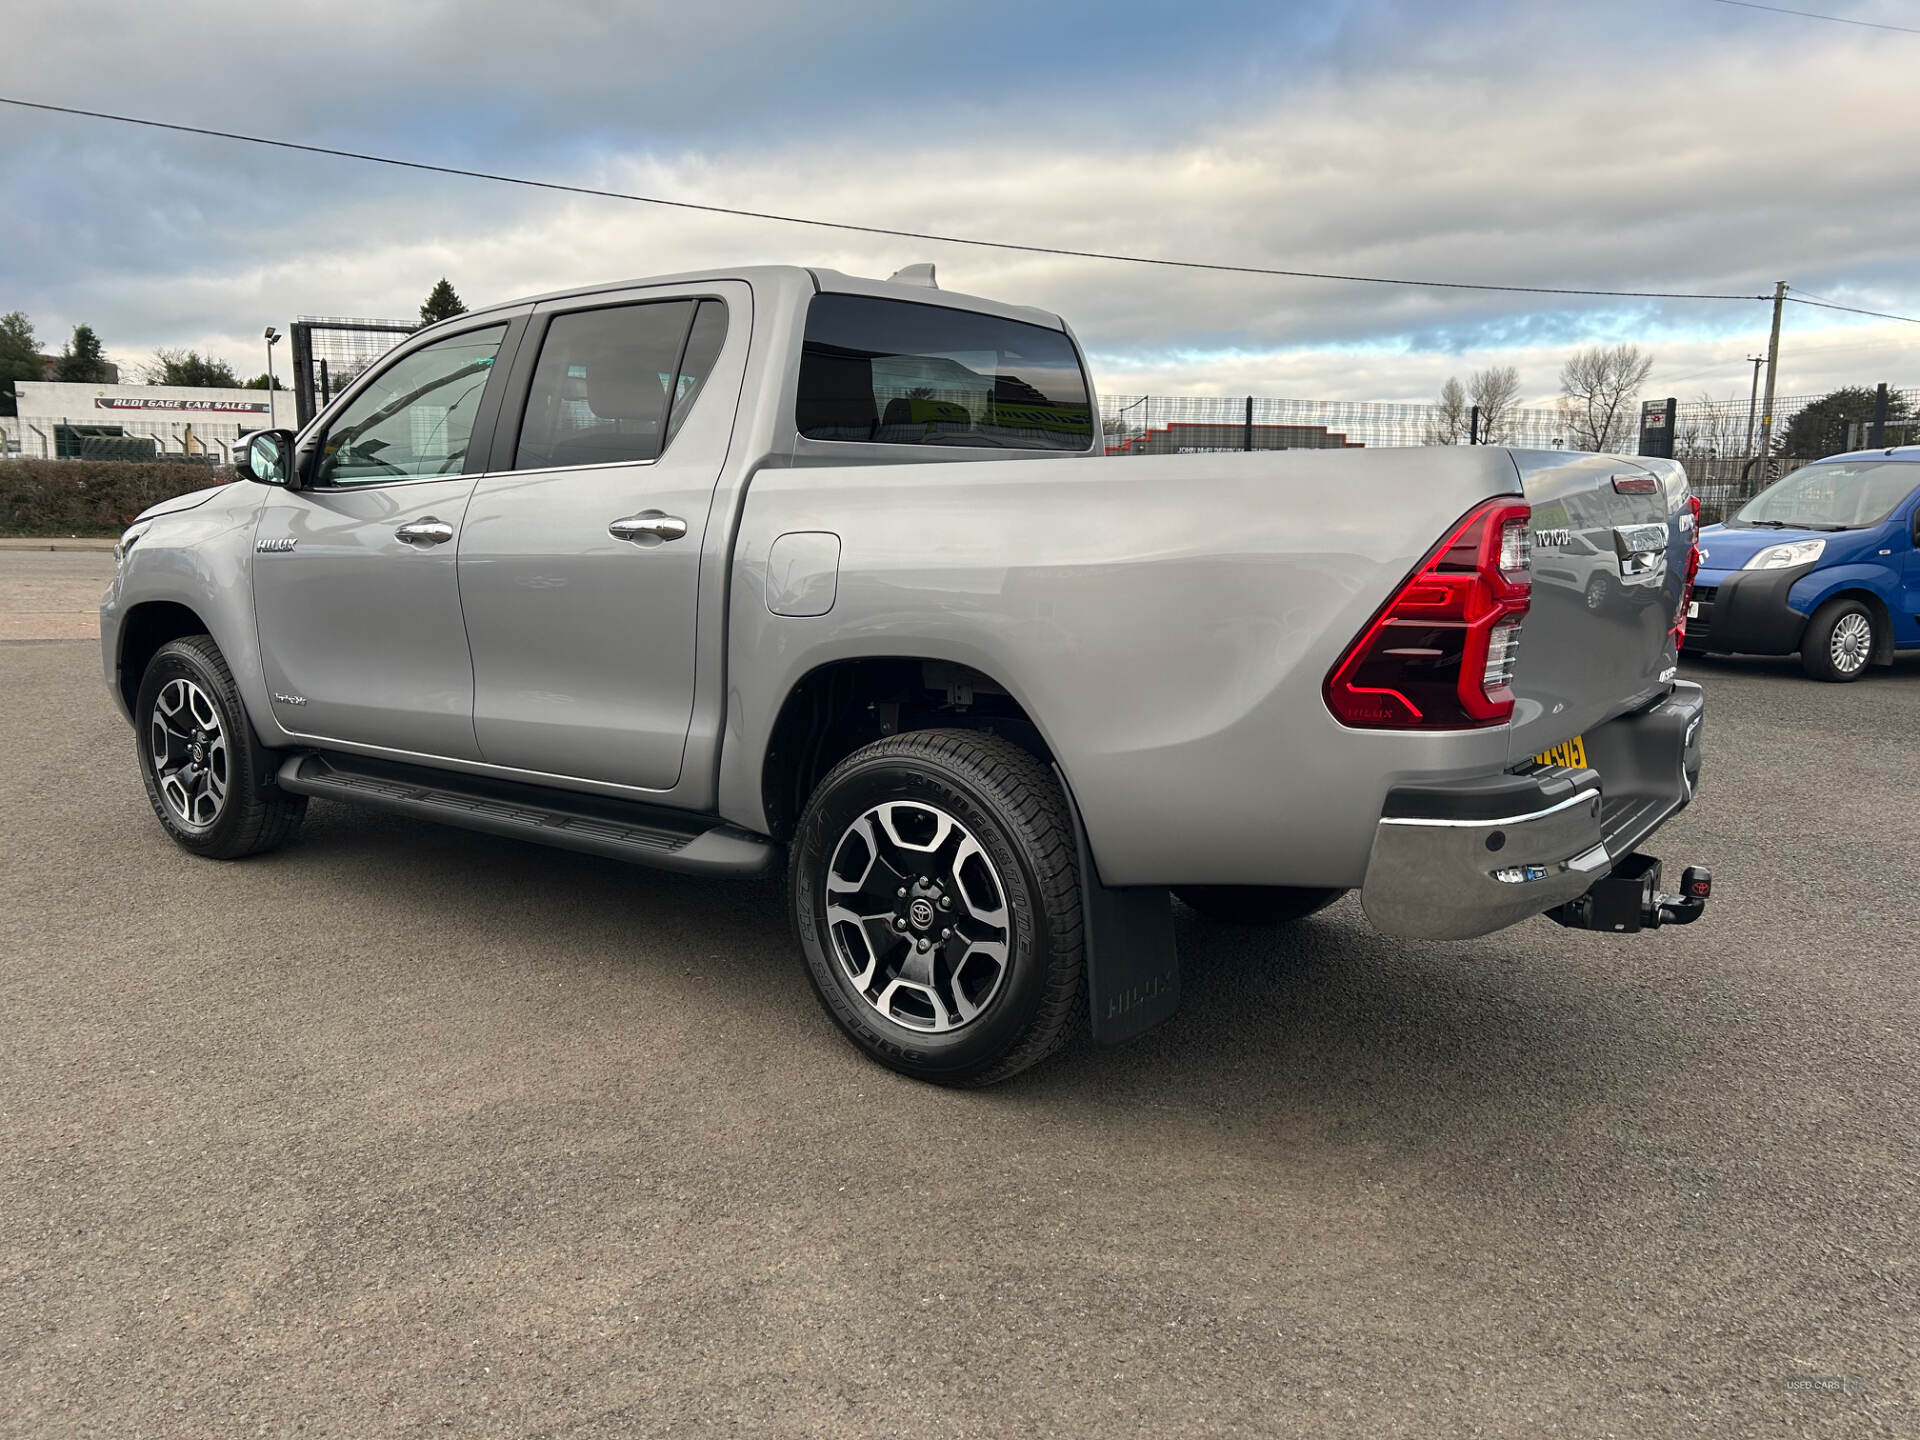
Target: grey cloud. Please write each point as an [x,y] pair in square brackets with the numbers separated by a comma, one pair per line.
[1429,159]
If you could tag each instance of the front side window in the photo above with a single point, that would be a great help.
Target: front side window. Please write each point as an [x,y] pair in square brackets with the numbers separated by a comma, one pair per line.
[1841,495]
[415,418]
[894,372]
[615,385]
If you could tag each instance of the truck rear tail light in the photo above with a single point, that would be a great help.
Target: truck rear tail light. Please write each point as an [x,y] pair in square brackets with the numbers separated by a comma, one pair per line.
[1679,629]
[1439,655]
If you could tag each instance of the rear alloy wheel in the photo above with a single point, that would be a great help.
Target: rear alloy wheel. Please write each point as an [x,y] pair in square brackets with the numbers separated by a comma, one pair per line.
[1256,904]
[1840,641]
[200,762]
[935,893]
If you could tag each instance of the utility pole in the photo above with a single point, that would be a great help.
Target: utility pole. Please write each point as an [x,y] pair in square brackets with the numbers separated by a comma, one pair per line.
[1773,374]
[1753,395]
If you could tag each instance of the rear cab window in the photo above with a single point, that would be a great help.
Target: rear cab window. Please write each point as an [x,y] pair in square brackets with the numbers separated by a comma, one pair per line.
[893,372]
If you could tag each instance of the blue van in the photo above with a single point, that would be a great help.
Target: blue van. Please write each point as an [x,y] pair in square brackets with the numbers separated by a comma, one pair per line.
[1825,562]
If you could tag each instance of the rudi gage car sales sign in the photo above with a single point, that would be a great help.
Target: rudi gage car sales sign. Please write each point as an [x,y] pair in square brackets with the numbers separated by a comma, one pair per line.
[218,407]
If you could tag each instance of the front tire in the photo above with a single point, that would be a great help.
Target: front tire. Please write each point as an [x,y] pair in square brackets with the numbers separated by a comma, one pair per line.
[1256,904]
[202,767]
[1840,641]
[935,892]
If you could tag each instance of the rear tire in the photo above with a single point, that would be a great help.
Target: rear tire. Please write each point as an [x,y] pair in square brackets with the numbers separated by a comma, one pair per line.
[1256,904]
[935,891]
[1839,642]
[206,776]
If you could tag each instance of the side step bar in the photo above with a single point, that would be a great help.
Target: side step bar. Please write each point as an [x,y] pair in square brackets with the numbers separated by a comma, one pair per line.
[594,824]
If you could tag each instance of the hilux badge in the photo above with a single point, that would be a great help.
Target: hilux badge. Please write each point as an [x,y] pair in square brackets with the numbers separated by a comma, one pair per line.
[279,544]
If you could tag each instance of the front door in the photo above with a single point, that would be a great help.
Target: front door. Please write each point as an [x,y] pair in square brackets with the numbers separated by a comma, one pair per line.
[580,566]
[354,582]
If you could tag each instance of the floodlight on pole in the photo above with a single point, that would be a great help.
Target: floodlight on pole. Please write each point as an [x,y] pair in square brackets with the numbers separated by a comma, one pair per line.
[273,339]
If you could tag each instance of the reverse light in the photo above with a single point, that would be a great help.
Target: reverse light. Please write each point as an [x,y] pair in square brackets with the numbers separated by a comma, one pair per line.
[1440,654]
[1785,557]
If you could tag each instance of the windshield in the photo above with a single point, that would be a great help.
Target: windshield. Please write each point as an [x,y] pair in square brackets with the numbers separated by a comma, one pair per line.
[1841,496]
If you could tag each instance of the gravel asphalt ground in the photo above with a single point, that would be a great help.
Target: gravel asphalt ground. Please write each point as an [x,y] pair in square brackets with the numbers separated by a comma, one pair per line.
[408,1131]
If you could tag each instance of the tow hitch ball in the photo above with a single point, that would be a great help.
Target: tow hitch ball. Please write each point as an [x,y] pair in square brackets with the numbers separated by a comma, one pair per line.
[1630,899]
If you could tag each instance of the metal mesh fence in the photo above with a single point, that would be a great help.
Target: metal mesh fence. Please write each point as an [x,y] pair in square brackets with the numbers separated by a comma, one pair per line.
[330,352]
[1188,424]
[200,441]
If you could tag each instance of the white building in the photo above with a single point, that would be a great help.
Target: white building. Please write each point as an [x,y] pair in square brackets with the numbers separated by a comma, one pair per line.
[57,419]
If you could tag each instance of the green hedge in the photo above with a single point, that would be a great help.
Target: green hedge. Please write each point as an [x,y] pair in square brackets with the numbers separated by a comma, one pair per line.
[87,497]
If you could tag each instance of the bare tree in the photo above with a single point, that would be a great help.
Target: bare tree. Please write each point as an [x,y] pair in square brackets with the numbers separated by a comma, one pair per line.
[1711,429]
[1447,423]
[1597,388]
[1496,390]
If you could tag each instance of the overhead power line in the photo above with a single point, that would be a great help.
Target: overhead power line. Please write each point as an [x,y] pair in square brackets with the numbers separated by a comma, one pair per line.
[872,229]
[1812,15]
[1850,309]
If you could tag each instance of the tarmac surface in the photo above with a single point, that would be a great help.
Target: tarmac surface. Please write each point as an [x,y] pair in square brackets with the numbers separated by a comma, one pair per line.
[410,1131]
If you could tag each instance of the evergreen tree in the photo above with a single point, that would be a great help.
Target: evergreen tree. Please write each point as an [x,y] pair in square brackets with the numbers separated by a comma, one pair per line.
[82,360]
[190,368]
[1825,427]
[442,304]
[259,382]
[19,350]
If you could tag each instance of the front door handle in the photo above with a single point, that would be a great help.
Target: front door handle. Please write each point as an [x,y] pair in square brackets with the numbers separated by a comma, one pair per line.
[425,531]
[648,528]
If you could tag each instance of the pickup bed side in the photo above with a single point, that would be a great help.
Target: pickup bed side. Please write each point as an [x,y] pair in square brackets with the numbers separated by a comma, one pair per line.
[1167,629]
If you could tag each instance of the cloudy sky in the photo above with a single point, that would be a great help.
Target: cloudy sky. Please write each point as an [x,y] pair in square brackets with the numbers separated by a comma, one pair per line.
[1672,145]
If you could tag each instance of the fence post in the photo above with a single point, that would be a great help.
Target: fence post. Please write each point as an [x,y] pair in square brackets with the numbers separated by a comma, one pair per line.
[1473,426]
[1247,441]
[1877,436]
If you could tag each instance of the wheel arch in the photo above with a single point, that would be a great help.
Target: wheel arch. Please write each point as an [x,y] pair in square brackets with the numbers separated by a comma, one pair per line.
[145,628]
[842,704]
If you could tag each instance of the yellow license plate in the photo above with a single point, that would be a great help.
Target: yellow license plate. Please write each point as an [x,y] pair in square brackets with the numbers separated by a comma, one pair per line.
[1573,754]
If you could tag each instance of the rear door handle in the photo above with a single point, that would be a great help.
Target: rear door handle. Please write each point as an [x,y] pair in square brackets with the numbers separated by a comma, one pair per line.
[425,531]
[648,528]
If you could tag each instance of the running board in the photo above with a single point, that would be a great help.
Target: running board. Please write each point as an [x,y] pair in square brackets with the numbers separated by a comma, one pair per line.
[594,824]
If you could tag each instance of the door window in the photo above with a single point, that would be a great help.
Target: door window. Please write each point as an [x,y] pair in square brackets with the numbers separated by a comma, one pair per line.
[614,385]
[416,416]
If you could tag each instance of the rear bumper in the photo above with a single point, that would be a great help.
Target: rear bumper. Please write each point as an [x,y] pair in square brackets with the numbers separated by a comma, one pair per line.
[1462,859]
[1745,612]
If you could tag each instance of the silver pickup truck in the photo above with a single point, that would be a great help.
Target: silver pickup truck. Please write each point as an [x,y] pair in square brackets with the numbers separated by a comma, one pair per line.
[704,571]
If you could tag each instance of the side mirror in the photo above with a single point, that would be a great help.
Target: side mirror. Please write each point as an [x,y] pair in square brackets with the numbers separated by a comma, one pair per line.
[1916,529]
[266,457]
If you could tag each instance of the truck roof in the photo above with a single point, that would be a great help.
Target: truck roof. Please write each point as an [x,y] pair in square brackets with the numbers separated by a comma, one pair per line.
[810,280]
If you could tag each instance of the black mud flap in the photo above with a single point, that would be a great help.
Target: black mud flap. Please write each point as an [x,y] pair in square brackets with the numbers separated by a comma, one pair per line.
[1133,969]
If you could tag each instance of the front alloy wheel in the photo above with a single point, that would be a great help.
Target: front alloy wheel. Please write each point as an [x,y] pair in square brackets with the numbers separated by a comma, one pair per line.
[205,774]
[188,746]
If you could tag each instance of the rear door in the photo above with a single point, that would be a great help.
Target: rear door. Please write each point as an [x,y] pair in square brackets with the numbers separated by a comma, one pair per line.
[354,585]
[580,557]
[1609,565]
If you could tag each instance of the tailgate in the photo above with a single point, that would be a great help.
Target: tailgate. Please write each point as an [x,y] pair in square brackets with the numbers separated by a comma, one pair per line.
[1609,568]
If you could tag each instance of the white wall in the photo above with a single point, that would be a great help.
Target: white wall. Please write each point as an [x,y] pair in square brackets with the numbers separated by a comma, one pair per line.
[180,419]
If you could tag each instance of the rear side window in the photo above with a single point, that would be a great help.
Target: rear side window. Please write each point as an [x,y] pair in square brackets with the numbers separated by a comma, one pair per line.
[895,373]
[614,385]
